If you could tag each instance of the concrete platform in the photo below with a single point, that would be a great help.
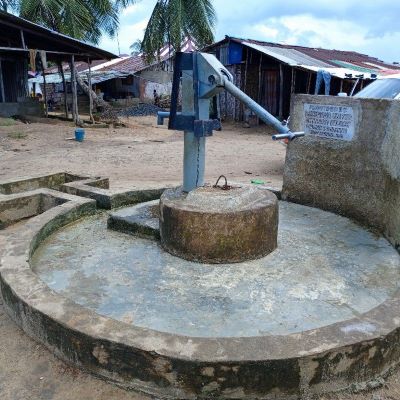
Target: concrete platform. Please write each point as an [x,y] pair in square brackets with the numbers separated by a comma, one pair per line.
[267,360]
[141,219]
[325,270]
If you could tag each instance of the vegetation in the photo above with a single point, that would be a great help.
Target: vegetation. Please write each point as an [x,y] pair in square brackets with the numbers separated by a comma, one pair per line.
[17,135]
[7,122]
[174,20]
[136,47]
[170,23]
[82,19]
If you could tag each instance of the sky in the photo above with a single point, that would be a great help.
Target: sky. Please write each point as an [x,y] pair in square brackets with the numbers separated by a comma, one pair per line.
[370,26]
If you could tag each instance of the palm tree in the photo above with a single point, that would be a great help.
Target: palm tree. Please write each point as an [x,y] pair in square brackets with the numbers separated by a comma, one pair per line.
[174,20]
[82,19]
[136,47]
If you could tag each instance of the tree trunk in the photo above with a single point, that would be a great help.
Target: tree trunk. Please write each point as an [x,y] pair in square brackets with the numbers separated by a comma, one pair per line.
[96,100]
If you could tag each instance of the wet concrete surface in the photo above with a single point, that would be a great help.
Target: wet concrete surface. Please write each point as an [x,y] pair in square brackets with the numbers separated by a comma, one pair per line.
[326,269]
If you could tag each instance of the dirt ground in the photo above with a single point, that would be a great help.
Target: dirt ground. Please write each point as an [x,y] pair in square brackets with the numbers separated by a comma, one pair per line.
[143,155]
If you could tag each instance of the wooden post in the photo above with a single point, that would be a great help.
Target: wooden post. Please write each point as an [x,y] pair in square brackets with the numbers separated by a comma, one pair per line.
[61,71]
[259,79]
[293,83]
[75,112]
[26,83]
[259,84]
[280,91]
[90,92]
[46,111]
[341,85]
[23,39]
[309,83]
[244,83]
[3,96]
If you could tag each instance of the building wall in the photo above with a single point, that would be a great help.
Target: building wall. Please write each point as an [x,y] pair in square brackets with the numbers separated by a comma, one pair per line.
[15,74]
[230,108]
[149,87]
[359,178]
[24,106]
[152,79]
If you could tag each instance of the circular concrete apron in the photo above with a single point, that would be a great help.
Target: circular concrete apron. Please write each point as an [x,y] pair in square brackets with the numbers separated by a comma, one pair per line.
[326,269]
[318,314]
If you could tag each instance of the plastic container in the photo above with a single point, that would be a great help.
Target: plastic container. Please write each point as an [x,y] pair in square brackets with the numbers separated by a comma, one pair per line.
[79,134]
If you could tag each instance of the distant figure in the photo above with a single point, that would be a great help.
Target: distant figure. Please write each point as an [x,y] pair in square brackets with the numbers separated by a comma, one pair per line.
[50,103]
[156,98]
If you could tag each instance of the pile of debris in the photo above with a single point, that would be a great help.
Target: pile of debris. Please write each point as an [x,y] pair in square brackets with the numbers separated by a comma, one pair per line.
[141,110]
[165,101]
[108,114]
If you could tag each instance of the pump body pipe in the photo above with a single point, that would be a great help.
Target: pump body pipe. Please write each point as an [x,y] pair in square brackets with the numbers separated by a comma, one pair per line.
[201,77]
[264,115]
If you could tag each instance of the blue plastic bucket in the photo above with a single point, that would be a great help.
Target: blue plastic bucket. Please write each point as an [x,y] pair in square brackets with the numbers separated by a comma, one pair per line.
[79,134]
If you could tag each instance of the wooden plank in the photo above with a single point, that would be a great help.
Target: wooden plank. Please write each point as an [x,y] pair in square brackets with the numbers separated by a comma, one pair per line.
[3,96]
[23,39]
[26,84]
[46,110]
[47,51]
[293,81]
[309,82]
[259,79]
[280,91]
[61,72]
[75,112]
[244,83]
[259,84]
[90,92]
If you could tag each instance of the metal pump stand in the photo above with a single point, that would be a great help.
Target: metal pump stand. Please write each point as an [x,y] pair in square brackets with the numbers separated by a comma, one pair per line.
[202,77]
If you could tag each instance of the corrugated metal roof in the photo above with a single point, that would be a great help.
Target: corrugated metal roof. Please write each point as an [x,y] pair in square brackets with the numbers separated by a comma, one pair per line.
[288,56]
[97,77]
[342,73]
[46,39]
[130,64]
[308,57]
[79,65]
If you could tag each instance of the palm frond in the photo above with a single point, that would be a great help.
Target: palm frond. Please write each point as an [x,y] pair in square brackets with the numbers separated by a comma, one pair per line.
[174,20]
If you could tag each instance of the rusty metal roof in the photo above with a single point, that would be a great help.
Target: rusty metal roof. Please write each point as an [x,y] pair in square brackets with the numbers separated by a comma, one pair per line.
[313,56]
[130,64]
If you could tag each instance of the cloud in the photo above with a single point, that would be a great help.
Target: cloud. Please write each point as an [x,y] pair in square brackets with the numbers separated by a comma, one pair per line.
[126,37]
[367,26]
[133,21]
[133,8]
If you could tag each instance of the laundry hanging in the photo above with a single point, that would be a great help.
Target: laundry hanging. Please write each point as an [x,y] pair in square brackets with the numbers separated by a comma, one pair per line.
[325,76]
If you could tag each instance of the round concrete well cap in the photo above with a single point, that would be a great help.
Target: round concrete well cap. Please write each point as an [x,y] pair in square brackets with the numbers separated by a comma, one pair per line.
[212,225]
